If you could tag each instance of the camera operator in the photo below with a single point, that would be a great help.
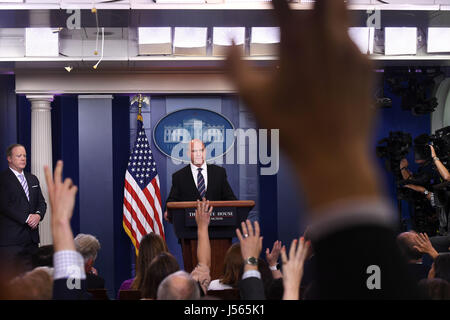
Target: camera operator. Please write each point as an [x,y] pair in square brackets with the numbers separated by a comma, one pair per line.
[440,167]
[424,201]
[441,202]
[406,174]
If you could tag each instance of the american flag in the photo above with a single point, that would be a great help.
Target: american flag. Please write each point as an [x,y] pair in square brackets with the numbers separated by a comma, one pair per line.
[142,213]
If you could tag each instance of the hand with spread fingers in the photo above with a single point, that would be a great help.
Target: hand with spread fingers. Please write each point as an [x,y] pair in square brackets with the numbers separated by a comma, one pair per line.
[251,242]
[272,256]
[62,201]
[293,267]
[322,84]
[439,165]
[272,259]
[203,213]
[423,245]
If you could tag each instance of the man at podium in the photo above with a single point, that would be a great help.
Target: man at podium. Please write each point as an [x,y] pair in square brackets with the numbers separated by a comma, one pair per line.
[199,180]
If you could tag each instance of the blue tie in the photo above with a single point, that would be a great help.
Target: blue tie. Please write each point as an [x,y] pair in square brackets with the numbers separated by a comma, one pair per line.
[201,183]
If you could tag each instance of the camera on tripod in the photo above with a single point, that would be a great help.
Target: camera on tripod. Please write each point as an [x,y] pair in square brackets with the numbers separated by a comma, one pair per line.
[414,87]
[393,149]
[441,143]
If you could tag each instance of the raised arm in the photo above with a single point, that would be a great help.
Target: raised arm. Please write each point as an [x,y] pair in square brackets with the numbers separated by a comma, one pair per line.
[69,274]
[441,168]
[326,87]
[293,268]
[272,259]
[423,245]
[203,217]
[406,174]
[251,286]
[62,201]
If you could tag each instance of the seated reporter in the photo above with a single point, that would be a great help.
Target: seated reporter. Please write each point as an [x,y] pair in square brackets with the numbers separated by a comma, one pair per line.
[233,263]
[179,286]
[161,266]
[88,246]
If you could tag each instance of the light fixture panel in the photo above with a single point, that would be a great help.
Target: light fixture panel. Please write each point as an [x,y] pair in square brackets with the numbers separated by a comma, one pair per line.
[41,42]
[363,38]
[438,40]
[400,41]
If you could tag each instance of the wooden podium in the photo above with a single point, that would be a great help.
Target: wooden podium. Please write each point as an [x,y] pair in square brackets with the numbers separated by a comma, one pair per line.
[225,218]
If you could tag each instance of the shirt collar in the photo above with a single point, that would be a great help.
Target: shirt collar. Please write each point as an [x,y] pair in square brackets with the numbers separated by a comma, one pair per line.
[194,167]
[16,172]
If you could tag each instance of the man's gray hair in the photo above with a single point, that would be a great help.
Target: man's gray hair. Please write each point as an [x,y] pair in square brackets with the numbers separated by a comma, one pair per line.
[178,286]
[87,245]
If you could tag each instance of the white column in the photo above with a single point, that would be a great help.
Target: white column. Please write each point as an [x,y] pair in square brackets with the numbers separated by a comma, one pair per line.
[41,153]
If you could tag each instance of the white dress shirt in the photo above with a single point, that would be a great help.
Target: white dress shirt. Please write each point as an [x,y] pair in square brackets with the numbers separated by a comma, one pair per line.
[204,173]
[68,264]
[17,173]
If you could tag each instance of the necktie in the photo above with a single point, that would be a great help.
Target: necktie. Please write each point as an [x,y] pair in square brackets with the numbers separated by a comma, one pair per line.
[24,184]
[201,183]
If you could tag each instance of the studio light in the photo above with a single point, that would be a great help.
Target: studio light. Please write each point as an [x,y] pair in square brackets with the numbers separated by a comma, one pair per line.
[438,40]
[155,40]
[400,41]
[41,42]
[363,38]
[190,41]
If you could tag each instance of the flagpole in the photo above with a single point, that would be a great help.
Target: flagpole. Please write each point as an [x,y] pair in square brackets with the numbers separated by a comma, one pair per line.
[140,99]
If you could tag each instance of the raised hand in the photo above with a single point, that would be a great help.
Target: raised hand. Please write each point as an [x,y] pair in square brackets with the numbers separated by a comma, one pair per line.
[203,213]
[423,245]
[322,84]
[293,267]
[272,256]
[251,242]
[62,201]
[61,194]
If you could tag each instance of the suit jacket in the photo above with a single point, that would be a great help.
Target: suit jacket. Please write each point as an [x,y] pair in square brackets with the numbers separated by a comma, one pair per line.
[62,292]
[185,189]
[343,258]
[15,208]
[418,271]
[94,282]
[252,289]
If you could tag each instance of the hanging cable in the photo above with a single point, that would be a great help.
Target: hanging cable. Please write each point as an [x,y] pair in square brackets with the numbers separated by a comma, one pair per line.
[103,44]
